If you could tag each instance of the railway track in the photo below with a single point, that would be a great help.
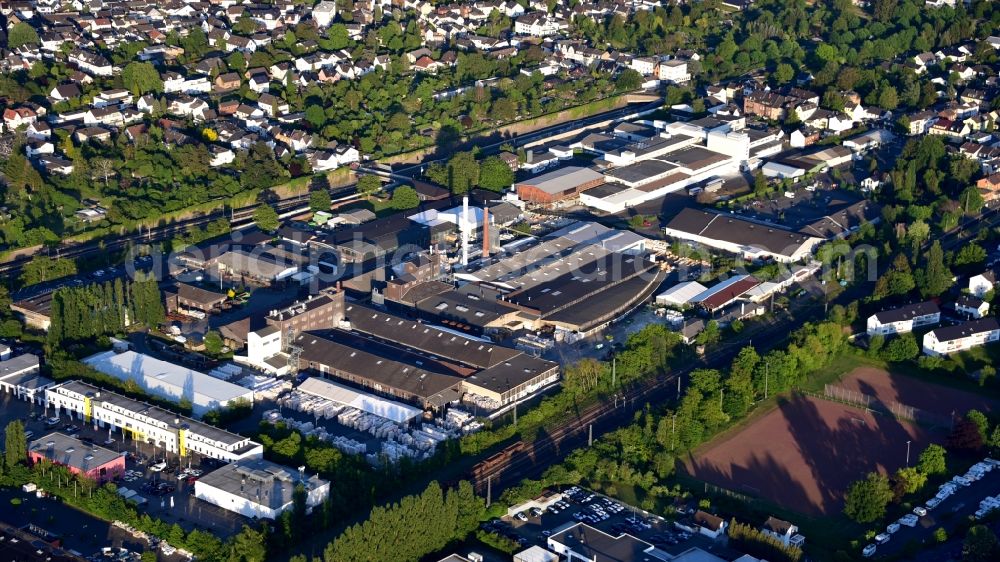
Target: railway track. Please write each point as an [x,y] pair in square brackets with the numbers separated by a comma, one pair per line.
[523,459]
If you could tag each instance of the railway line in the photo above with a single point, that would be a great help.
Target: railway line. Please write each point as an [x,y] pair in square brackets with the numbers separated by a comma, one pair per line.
[523,459]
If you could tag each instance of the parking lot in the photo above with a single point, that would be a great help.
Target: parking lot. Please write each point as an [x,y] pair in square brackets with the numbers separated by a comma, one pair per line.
[169,492]
[945,510]
[534,526]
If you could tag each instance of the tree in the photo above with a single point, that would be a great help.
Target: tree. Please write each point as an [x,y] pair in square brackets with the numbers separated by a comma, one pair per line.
[784,73]
[213,342]
[965,437]
[266,218]
[495,174]
[980,545]
[907,481]
[15,444]
[463,172]
[970,254]
[935,278]
[868,498]
[932,461]
[982,423]
[315,115]
[141,78]
[319,200]
[628,80]
[368,184]
[759,183]
[971,201]
[22,34]
[405,197]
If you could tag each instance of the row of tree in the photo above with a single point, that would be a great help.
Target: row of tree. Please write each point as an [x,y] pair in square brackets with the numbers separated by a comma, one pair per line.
[85,312]
[412,529]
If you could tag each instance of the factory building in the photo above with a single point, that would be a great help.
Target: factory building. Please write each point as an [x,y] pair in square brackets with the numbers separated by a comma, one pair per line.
[750,240]
[259,489]
[169,381]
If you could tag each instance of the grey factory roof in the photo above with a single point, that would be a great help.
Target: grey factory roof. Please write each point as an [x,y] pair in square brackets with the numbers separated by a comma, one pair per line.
[18,365]
[644,170]
[609,301]
[578,282]
[428,339]
[471,304]
[598,546]
[696,157]
[380,364]
[582,232]
[63,449]
[736,231]
[558,181]
[260,481]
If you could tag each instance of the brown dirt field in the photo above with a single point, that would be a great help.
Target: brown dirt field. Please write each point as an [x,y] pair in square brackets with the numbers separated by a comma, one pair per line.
[927,396]
[805,453]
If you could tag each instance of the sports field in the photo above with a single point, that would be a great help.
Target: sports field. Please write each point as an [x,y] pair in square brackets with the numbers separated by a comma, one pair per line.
[805,453]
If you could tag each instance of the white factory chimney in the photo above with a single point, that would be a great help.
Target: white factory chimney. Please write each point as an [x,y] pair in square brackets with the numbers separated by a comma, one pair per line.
[463,225]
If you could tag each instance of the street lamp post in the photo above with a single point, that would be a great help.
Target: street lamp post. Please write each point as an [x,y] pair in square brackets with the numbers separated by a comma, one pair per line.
[907,453]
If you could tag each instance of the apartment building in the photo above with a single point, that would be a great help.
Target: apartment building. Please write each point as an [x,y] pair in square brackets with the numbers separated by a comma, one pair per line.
[172,432]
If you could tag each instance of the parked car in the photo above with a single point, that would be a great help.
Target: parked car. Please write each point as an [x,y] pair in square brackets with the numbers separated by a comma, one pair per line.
[919,511]
[882,538]
[910,520]
[868,551]
[158,466]
[892,528]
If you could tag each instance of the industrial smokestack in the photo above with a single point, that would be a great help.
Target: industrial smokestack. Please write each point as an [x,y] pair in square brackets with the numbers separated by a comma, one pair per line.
[463,224]
[486,232]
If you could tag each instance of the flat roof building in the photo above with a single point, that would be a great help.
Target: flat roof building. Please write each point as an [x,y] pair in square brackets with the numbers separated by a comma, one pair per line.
[20,376]
[742,237]
[174,433]
[94,462]
[558,185]
[170,381]
[259,488]
[419,363]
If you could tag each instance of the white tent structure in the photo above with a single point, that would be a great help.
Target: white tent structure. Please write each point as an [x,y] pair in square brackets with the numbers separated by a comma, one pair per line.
[369,403]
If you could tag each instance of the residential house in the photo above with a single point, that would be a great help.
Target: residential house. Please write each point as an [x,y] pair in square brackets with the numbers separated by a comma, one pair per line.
[784,531]
[989,187]
[227,82]
[272,105]
[953,339]
[710,525]
[982,283]
[920,122]
[904,319]
[971,306]
[17,117]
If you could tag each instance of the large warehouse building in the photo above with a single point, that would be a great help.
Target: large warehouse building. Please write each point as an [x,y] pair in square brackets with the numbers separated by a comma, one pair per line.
[140,421]
[169,381]
[559,185]
[750,240]
[421,364]
[259,488]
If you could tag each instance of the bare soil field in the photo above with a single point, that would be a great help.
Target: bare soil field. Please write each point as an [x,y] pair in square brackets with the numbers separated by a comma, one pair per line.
[927,396]
[805,453]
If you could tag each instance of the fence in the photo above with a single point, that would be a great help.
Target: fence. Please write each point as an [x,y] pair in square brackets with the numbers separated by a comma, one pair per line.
[889,407]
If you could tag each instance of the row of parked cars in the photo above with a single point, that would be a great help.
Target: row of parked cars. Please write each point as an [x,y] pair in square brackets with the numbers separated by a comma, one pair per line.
[946,490]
